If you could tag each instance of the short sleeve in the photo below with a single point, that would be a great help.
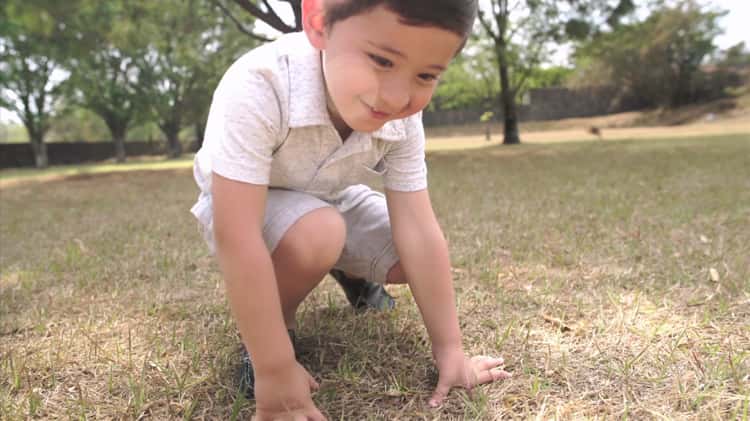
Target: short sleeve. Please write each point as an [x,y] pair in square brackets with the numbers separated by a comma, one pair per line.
[243,127]
[405,168]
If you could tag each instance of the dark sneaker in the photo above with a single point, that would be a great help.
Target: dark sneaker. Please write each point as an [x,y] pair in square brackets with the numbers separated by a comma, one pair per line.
[247,374]
[363,294]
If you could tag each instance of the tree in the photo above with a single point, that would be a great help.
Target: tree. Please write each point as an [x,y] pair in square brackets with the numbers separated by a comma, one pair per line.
[737,55]
[522,32]
[232,43]
[76,124]
[184,64]
[659,59]
[31,47]
[545,77]
[105,76]
[470,81]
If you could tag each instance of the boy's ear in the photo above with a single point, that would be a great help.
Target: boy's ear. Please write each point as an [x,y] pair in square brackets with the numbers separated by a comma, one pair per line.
[313,22]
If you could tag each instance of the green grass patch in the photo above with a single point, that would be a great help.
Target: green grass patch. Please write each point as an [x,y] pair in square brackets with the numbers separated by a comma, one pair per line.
[12,175]
[612,276]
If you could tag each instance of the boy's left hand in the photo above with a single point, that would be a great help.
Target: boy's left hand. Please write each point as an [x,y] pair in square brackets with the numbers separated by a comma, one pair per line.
[457,370]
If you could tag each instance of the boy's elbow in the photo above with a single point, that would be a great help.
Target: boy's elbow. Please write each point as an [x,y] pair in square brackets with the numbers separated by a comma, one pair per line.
[230,239]
[427,238]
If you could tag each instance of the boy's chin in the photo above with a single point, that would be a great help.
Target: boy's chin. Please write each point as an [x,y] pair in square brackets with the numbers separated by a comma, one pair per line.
[367,126]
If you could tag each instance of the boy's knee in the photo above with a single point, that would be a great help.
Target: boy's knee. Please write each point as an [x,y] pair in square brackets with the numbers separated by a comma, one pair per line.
[316,240]
[396,275]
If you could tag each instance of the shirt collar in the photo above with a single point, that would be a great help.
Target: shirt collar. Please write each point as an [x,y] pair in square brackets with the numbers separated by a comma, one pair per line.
[307,105]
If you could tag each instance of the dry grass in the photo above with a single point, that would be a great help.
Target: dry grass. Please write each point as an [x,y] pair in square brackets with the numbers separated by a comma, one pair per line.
[613,276]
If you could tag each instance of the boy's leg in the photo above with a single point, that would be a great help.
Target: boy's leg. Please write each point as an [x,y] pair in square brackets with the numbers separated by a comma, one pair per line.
[305,237]
[369,253]
[307,251]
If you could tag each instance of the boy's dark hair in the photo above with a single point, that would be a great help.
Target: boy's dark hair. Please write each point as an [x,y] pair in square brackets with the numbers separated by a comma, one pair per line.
[453,15]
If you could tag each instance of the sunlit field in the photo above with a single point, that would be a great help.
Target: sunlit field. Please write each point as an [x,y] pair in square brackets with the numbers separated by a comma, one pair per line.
[613,276]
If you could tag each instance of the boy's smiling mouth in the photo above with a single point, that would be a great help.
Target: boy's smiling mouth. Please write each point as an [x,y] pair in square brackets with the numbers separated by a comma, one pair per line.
[377,114]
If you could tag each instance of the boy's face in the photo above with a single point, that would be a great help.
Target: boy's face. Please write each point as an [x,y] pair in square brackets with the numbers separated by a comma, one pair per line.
[378,69]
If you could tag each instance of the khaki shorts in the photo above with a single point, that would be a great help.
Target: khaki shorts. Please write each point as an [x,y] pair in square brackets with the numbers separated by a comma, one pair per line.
[368,251]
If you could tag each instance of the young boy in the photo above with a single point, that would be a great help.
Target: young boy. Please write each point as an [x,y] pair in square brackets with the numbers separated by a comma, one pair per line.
[295,126]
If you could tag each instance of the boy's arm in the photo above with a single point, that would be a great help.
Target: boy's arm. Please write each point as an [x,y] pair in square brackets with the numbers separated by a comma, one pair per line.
[424,258]
[282,386]
[423,253]
[248,271]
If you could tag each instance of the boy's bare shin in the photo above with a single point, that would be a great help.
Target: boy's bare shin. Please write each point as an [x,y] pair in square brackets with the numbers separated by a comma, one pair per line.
[304,255]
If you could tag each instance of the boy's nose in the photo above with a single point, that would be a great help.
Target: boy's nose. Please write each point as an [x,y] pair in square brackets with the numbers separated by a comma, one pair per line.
[393,98]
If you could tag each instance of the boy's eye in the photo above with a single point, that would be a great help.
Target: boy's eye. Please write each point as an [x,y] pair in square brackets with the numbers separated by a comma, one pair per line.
[427,77]
[381,61]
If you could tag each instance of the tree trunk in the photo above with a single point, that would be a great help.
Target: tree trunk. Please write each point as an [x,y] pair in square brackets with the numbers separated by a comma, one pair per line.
[117,129]
[36,137]
[510,128]
[174,147]
[119,139]
[41,160]
[200,131]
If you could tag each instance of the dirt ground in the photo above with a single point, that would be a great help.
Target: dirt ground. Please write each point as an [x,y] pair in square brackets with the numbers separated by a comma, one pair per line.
[704,120]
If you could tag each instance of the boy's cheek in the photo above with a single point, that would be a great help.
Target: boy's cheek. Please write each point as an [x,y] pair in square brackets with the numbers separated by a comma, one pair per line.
[352,80]
[419,102]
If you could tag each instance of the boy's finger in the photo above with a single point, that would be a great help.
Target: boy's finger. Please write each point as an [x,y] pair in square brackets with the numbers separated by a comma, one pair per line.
[313,384]
[492,375]
[441,391]
[315,415]
[487,363]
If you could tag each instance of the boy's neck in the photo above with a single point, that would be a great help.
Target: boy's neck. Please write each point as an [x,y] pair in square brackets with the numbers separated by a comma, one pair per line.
[338,122]
[343,130]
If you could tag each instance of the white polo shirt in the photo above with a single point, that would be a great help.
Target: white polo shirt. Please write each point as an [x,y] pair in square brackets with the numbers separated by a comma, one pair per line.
[269,125]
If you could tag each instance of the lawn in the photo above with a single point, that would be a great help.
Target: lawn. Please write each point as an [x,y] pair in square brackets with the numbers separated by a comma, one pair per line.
[613,276]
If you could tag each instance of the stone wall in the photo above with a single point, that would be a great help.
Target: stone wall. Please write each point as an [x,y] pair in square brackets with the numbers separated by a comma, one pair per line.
[14,155]
[559,103]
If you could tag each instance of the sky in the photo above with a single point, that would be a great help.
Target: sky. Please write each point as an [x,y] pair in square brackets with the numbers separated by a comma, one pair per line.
[735,25]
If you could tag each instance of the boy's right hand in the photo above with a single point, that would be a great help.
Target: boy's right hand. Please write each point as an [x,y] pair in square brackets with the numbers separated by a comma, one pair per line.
[284,394]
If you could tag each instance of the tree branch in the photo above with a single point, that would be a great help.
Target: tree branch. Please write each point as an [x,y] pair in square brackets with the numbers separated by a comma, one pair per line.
[501,19]
[517,27]
[268,5]
[487,27]
[240,26]
[296,6]
[515,6]
[528,69]
[270,17]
